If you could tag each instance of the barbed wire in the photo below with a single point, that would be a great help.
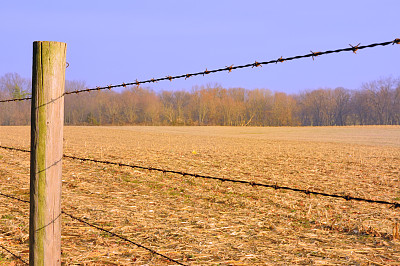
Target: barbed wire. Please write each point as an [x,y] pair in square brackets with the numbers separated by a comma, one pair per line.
[15,255]
[104,230]
[13,149]
[352,48]
[14,198]
[21,200]
[16,100]
[122,237]
[274,186]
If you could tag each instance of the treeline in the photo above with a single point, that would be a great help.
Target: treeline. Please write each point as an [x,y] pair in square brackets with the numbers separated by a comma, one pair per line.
[375,103]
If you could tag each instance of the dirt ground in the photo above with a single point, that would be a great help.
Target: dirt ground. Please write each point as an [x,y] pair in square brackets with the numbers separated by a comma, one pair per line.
[206,222]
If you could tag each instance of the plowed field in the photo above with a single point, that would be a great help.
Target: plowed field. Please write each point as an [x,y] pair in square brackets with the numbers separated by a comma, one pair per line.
[207,222]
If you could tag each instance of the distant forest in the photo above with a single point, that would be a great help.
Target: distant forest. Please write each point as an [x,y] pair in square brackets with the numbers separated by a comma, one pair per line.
[374,103]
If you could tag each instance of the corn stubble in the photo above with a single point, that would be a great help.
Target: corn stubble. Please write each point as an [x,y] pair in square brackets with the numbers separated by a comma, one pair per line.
[206,222]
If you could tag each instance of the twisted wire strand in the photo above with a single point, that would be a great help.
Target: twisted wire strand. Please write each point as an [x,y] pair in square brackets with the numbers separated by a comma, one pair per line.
[352,48]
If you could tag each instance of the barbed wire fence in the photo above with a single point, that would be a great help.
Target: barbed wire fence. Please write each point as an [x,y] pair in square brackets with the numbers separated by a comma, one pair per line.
[352,48]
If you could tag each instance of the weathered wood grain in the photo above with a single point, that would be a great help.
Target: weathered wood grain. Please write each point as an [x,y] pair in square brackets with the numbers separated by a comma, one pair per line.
[48,79]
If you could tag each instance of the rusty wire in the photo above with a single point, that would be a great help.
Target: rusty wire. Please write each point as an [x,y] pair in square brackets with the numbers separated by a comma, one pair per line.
[98,228]
[228,68]
[274,186]
[15,255]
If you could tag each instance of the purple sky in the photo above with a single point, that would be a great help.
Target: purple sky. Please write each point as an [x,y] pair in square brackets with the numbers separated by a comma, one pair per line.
[110,42]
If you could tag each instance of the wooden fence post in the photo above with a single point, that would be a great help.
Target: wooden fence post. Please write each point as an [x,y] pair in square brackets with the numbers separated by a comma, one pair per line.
[47,120]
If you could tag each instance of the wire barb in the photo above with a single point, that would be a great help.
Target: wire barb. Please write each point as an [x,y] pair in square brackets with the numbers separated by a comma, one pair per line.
[314,54]
[229,68]
[256,64]
[355,48]
[280,59]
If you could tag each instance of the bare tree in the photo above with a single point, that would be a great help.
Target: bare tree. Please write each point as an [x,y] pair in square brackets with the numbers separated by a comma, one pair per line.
[341,99]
